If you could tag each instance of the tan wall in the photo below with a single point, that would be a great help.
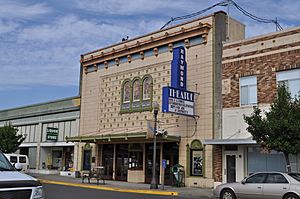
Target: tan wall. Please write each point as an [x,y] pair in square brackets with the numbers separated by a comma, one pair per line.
[136,176]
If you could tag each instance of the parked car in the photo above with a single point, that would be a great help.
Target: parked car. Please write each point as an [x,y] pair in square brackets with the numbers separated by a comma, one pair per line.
[262,185]
[18,158]
[14,184]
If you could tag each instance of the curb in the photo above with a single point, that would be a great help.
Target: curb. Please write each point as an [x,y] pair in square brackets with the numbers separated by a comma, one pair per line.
[153,192]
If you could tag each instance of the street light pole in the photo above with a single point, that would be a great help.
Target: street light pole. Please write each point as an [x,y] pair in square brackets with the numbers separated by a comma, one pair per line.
[153,180]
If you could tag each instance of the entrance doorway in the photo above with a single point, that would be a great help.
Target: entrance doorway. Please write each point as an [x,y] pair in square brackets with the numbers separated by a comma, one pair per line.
[231,168]
[170,154]
[107,160]
[149,162]
[122,162]
[86,160]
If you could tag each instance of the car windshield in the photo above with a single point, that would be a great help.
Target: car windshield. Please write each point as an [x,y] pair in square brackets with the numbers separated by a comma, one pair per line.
[4,164]
[296,176]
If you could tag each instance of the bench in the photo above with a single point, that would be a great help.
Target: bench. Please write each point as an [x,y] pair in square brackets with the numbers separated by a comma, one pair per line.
[96,173]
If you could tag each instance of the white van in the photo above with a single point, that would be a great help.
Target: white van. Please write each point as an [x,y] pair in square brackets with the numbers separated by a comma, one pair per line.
[18,158]
[14,184]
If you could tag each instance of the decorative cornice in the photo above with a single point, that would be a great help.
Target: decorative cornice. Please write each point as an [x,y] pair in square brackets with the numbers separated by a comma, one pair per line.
[202,29]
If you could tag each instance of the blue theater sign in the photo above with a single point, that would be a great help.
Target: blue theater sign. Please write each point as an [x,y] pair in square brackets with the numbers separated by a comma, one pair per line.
[176,99]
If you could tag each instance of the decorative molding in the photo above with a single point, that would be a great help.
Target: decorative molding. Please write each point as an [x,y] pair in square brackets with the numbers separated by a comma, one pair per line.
[170,48]
[155,51]
[142,55]
[129,58]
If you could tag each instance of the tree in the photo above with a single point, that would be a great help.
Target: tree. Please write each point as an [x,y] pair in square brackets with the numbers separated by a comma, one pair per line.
[9,139]
[279,129]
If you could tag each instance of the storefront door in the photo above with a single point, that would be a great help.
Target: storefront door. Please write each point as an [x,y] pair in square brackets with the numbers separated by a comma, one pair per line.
[231,168]
[107,160]
[122,162]
[170,154]
[149,160]
[86,160]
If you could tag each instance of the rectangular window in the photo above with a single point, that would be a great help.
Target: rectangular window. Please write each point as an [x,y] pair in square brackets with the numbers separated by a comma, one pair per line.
[13,159]
[291,79]
[248,90]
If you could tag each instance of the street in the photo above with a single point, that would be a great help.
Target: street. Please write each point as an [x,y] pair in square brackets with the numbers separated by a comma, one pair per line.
[52,191]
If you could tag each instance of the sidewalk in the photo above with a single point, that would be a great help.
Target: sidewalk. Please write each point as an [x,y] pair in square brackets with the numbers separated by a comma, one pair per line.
[119,186]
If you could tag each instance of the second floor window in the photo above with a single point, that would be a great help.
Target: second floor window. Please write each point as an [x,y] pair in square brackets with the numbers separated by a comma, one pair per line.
[248,90]
[126,94]
[147,88]
[136,90]
[291,79]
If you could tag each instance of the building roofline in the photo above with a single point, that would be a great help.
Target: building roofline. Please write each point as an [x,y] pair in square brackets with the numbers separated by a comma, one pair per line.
[154,32]
[39,104]
[241,42]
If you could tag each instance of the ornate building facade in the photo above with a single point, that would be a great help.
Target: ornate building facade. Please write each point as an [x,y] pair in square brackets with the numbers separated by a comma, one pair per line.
[119,84]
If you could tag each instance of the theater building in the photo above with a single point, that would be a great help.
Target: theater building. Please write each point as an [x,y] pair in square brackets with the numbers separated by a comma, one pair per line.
[45,127]
[252,69]
[119,85]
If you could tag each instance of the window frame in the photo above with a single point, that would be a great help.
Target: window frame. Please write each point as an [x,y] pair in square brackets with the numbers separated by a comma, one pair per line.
[248,86]
[136,105]
[253,175]
[286,77]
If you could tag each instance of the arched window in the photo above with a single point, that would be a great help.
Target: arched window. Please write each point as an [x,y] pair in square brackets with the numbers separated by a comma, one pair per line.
[147,88]
[136,90]
[126,92]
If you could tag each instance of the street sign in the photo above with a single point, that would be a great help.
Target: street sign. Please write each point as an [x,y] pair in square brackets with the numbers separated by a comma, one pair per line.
[52,134]
[164,163]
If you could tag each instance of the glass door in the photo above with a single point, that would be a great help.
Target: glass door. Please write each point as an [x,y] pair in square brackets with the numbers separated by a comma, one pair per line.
[122,162]
[231,168]
[107,160]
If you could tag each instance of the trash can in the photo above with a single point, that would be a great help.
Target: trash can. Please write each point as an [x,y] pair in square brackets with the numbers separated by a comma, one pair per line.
[178,172]
[77,174]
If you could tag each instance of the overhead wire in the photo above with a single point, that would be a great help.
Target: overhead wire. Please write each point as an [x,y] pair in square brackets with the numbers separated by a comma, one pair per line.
[226,3]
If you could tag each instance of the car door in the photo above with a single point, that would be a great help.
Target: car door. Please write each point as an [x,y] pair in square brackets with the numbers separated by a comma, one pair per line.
[252,187]
[275,186]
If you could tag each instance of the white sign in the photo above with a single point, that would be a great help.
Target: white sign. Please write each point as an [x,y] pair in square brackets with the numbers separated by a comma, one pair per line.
[180,106]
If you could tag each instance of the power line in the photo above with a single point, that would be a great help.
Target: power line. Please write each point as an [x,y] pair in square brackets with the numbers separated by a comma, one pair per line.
[226,3]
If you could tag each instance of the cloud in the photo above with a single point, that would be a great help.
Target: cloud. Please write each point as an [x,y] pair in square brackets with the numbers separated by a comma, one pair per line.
[8,26]
[21,11]
[154,7]
[49,53]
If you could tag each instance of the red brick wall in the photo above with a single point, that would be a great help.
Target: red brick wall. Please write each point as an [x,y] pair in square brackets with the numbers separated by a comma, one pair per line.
[265,68]
[217,165]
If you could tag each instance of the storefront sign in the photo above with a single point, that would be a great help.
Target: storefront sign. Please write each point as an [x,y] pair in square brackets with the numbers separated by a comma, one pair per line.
[52,134]
[178,101]
[178,68]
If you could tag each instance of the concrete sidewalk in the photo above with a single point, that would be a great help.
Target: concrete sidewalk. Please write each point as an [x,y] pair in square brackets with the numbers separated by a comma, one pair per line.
[119,186]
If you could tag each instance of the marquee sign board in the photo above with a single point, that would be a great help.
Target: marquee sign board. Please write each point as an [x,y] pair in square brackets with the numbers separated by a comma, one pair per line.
[176,99]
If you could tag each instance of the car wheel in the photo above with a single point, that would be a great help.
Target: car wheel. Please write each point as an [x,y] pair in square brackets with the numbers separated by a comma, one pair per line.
[227,194]
[291,196]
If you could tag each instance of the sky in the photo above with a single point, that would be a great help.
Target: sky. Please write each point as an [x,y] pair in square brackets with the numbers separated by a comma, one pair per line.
[41,41]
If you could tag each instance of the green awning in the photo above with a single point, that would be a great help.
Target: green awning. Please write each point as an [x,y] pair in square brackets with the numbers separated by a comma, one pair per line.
[122,137]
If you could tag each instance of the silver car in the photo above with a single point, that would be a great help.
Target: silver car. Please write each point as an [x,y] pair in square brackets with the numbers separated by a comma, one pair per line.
[262,185]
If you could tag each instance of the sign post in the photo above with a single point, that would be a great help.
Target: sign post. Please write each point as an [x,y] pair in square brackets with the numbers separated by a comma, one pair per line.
[164,166]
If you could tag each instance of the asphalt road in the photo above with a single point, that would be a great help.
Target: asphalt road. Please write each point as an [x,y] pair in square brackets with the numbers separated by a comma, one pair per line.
[52,191]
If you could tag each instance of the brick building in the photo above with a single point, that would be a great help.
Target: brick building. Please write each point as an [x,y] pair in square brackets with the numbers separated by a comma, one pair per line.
[119,83]
[251,70]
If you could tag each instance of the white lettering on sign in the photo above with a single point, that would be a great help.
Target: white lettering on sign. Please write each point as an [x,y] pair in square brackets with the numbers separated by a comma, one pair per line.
[181,67]
[181,106]
[180,94]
